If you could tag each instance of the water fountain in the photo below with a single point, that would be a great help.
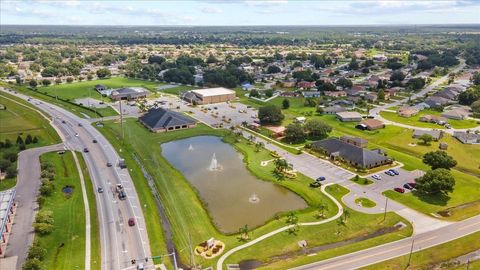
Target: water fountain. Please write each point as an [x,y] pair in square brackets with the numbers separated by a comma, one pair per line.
[254,198]
[214,166]
[190,147]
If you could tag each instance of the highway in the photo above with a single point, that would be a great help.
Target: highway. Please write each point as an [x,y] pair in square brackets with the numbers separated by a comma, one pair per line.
[398,248]
[120,243]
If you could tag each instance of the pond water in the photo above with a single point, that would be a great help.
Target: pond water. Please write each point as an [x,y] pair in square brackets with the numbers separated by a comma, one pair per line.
[233,195]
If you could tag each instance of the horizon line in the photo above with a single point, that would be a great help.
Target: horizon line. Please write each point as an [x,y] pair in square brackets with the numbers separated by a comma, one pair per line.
[251,25]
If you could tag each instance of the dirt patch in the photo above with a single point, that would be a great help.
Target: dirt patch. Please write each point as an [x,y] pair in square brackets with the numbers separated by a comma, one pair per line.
[449,211]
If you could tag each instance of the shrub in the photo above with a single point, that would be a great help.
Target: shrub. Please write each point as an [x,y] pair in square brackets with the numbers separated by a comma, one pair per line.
[11,172]
[32,264]
[28,140]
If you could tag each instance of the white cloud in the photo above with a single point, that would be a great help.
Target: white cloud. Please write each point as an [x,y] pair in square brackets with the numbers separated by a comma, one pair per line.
[212,10]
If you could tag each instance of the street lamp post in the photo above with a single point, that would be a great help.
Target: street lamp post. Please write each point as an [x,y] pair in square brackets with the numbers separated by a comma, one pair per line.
[411,251]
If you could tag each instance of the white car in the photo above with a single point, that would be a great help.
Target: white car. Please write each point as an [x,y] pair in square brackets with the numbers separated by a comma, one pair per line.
[376,177]
[76,135]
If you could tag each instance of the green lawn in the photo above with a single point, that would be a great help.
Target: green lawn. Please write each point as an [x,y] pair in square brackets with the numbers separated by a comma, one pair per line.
[362,181]
[358,224]
[177,90]
[65,245]
[18,120]
[414,120]
[426,259]
[365,202]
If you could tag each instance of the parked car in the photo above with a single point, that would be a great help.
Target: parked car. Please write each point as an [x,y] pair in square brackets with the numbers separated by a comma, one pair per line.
[86,150]
[119,187]
[76,135]
[376,177]
[412,184]
[315,184]
[109,164]
[131,222]
[80,125]
[63,122]
[321,178]
[399,190]
[140,266]
[407,186]
[394,171]
[100,190]
[94,141]
[389,173]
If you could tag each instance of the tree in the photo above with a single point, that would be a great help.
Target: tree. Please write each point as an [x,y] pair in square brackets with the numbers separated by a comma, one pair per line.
[70,79]
[103,73]
[33,83]
[259,146]
[89,77]
[269,93]
[32,264]
[426,138]
[43,228]
[281,165]
[469,96]
[439,159]
[317,129]
[36,251]
[475,107]
[156,59]
[344,83]
[35,139]
[28,139]
[211,59]
[270,114]
[273,69]
[294,133]
[58,81]
[285,104]
[476,78]
[243,231]
[353,64]
[19,140]
[322,207]
[381,94]
[436,182]
[46,82]
[346,215]
[397,75]
[4,164]
[11,172]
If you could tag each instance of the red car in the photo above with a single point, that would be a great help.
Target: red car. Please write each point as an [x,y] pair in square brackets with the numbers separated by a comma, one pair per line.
[131,222]
[399,190]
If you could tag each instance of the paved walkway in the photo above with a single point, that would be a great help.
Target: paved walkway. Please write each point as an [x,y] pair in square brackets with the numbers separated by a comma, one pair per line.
[28,183]
[277,231]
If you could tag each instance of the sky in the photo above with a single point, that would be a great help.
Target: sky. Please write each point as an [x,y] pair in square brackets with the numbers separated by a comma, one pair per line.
[238,12]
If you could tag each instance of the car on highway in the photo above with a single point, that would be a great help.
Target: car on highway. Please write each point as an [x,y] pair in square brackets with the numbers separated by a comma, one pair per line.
[376,177]
[399,190]
[140,266]
[122,195]
[64,122]
[80,125]
[100,190]
[321,178]
[109,164]
[76,135]
[131,222]
[94,141]
[85,150]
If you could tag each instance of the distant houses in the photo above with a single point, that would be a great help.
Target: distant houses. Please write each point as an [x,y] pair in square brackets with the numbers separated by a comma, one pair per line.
[349,116]
[163,120]
[467,137]
[407,112]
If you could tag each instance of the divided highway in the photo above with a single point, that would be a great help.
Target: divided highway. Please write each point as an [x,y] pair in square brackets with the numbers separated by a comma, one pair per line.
[120,243]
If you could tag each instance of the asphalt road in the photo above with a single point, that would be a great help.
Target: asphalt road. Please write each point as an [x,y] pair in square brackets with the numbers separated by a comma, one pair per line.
[28,183]
[395,249]
[120,243]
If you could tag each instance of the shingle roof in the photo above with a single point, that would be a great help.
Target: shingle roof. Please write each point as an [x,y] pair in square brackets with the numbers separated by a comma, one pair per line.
[352,153]
[161,118]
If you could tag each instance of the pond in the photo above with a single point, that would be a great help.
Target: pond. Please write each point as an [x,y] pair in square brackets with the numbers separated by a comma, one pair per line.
[234,197]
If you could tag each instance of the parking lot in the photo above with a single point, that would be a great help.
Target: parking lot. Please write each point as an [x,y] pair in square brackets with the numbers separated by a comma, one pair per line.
[388,182]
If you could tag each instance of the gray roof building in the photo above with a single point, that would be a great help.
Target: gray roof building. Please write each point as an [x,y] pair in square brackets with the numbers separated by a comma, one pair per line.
[129,93]
[464,137]
[435,133]
[334,109]
[356,156]
[160,120]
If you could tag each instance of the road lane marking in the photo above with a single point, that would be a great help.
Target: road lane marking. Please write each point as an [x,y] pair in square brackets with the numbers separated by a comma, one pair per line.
[468,226]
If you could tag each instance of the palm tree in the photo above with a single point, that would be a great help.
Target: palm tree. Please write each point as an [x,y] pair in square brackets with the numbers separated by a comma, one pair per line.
[281,165]
[258,146]
[321,209]
[251,138]
[243,231]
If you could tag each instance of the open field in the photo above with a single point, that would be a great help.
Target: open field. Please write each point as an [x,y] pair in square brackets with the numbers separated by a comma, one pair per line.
[414,120]
[65,245]
[177,89]
[20,120]
[427,258]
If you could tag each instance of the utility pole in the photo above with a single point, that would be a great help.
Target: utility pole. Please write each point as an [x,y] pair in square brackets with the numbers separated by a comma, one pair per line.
[121,121]
[385,211]
[174,260]
[468,264]
[411,251]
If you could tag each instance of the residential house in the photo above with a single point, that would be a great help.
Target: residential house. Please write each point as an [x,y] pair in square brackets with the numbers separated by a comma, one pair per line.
[456,114]
[129,93]
[277,131]
[100,87]
[371,96]
[449,92]
[355,156]
[407,111]
[163,120]
[311,94]
[334,109]
[305,84]
[435,133]
[433,119]
[372,124]
[335,94]
[467,137]
[357,141]
[288,83]
[349,116]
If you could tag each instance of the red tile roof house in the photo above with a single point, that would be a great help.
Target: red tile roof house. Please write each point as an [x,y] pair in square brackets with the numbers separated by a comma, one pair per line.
[407,112]
[305,84]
